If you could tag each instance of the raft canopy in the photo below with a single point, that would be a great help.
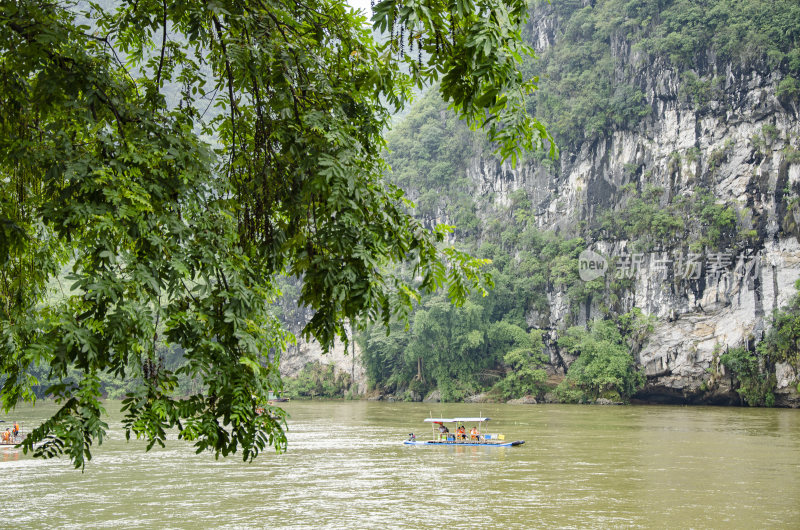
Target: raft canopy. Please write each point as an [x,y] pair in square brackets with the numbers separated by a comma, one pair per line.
[455,420]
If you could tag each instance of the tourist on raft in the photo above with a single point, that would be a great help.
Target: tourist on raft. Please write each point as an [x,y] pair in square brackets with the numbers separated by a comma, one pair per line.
[443,432]
[461,433]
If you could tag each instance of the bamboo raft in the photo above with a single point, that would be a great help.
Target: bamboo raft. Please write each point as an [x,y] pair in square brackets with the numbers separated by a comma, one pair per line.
[446,438]
[13,440]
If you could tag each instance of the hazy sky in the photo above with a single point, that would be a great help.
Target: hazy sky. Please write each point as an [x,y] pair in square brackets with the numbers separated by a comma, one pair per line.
[363,5]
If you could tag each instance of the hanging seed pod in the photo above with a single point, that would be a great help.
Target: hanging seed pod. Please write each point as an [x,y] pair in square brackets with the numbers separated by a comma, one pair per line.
[419,52]
[391,30]
[401,41]
[410,41]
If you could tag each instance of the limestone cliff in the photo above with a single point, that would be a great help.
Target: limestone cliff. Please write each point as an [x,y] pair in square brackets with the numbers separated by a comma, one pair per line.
[740,143]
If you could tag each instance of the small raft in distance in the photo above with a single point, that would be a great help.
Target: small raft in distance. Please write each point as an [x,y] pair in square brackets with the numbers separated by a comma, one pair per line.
[448,438]
[7,436]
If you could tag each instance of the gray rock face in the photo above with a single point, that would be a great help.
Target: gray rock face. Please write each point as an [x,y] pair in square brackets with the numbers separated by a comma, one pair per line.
[477,398]
[433,397]
[527,400]
[606,402]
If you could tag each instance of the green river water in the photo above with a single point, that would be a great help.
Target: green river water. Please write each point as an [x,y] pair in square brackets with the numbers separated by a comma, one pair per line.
[346,466]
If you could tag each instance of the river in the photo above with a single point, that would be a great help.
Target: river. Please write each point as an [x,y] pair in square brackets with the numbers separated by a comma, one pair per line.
[580,467]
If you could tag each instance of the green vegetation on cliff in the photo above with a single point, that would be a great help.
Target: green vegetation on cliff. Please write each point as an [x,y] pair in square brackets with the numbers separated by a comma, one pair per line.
[585,76]
[653,221]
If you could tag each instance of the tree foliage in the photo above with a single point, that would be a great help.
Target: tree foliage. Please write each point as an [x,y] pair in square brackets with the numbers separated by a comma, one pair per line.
[605,367]
[318,380]
[448,344]
[173,159]
[755,383]
[526,376]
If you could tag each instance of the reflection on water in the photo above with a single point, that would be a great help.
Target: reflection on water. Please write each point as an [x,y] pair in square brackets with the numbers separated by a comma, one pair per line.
[581,466]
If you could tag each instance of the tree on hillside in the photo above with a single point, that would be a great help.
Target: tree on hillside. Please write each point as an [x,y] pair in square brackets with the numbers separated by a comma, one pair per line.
[162,163]
[605,367]
[448,347]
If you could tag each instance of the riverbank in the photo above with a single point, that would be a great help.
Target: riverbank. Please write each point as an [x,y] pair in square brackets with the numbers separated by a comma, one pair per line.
[722,394]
